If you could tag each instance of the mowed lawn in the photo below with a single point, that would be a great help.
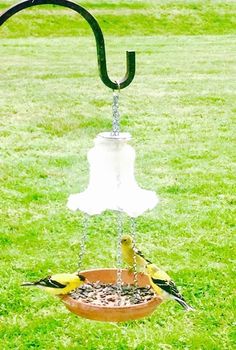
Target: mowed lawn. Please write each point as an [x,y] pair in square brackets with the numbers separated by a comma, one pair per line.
[180,110]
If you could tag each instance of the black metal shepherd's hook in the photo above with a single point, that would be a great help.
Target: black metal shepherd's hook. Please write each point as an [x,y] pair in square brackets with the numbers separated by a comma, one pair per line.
[101,53]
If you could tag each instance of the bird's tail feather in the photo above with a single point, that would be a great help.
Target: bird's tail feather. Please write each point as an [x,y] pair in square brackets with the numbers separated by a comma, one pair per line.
[184,304]
[28,284]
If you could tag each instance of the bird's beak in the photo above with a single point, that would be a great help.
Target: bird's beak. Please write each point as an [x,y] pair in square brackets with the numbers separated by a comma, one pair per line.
[83,278]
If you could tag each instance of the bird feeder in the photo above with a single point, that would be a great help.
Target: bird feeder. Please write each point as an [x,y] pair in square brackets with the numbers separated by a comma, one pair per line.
[112,185]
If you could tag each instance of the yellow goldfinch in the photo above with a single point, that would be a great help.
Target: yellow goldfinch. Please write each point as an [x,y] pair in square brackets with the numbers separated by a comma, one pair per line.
[62,283]
[129,251]
[164,286]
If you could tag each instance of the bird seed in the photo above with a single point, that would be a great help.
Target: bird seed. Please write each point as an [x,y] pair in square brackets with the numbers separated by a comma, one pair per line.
[102,294]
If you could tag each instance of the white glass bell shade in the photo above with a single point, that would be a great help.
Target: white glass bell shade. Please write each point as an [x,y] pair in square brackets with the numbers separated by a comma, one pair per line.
[112,184]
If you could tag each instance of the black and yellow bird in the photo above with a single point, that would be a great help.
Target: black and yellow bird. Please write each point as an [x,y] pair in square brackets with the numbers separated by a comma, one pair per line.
[164,286]
[61,283]
[132,255]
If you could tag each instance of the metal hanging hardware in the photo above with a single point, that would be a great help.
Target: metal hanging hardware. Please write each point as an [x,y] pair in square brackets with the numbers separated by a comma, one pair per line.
[133,235]
[119,219]
[115,115]
[101,53]
[84,239]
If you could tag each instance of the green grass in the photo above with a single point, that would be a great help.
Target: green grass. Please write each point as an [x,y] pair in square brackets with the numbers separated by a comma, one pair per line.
[126,18]
[180,110]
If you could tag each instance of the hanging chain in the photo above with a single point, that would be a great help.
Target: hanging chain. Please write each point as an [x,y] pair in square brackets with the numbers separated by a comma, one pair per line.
[83,240]
[115,114]
[133,235]
[119,258]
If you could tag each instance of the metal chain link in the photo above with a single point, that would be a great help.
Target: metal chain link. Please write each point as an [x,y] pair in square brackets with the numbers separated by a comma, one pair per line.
[133,235]
[83,240]
[119,258]
[115,115]
[136,291]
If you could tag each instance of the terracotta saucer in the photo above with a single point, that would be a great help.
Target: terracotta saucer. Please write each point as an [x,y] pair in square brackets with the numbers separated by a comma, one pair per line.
[114,313]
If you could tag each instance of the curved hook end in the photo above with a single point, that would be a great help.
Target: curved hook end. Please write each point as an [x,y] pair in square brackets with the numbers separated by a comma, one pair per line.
[130,70]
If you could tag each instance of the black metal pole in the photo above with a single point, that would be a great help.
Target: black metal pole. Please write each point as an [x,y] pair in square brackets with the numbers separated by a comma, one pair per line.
[101,52]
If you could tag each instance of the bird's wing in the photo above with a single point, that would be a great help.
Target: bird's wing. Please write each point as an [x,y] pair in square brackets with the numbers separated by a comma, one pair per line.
[168,286]
[139,253]
[48,282]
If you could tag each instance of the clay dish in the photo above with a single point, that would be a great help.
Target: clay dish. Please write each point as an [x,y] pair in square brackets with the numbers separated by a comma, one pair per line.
[112,313]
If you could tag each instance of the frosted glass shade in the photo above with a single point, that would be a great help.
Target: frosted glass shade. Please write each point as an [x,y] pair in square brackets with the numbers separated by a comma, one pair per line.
[112,185]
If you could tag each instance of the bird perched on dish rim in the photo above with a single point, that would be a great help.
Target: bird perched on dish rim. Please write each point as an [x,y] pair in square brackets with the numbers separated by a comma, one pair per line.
[132,255]
[58,284]
[164,286]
